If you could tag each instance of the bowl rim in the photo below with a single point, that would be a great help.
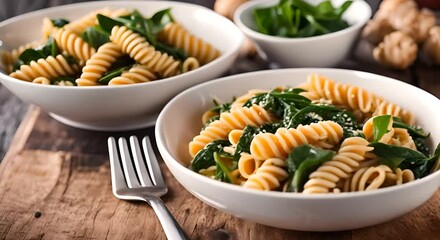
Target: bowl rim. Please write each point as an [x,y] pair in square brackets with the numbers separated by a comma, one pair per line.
[171,161]
[223,57]
[265,37]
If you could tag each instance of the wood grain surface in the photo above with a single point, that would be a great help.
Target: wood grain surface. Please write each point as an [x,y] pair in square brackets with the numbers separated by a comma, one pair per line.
[55,184]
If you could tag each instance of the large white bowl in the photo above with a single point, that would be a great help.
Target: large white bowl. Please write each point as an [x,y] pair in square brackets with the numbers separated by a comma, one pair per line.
[320,51]
[324,212]
[119,107]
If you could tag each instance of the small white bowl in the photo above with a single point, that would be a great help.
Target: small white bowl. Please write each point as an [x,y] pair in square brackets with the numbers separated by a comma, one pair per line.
[319,212]
[320,51]
[115,108]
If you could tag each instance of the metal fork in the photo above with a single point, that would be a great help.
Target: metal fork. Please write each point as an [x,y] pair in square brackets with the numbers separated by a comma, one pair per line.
[139,181]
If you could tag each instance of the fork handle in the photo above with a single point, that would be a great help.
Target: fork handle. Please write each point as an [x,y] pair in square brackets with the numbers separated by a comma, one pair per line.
[170,226]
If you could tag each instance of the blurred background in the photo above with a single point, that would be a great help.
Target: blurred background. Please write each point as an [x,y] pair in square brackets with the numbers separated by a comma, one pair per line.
[10,8]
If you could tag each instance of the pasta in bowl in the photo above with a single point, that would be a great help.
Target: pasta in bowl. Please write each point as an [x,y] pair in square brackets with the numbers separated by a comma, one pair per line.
[305,144]
[78,52]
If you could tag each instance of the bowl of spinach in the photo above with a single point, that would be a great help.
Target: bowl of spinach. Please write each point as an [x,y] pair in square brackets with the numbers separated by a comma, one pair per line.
[303,33]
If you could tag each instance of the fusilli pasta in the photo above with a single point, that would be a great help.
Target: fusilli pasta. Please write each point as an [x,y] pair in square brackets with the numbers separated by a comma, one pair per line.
[280,144]
[268,176]
[136,74]
[51,67]
[141,51]
[219,129]
[177,36]
[350,154]
[98,64]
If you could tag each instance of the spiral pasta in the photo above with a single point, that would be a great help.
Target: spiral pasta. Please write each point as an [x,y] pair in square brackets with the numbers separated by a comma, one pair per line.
[176,35]
[51,67]
[247,165]
[41,80]
[80,25]
[136,74]
[268,176]
[328,152]
[9,58]
[219,129]
[190,64]
[240,101]
[98,64]
[394,136]
[351,97]
[386,108]
[73,44]
[368,129]
[370,178]
[142,52]
[280,144]
[346,161]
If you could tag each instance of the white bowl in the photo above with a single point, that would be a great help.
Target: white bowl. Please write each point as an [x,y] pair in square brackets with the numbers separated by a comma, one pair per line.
[320,51]
[119,107]
[322,212]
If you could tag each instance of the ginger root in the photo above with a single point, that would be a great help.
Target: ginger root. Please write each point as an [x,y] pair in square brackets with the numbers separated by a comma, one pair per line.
[431,48]
[398,50]
[376,29]
[397,30]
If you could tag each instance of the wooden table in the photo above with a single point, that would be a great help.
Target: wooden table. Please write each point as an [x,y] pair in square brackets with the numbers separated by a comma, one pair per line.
[55,181]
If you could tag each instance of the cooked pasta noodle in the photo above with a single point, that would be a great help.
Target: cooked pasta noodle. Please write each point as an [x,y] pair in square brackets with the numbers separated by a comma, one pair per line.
[268,176]
[280,144]
[402,138]
[80,25]
[98,64]
[386,108]
[234,136]
[190,64]
[219,129]
[142,52]
[176,35]
[51,67]
[368,129]
[240,101]
[247,165]
[367,179]
[119,44]
[73,45]
[41,80]
[319,145]
[351,97]
[9,58]
[350,154]
[48,28]
[136,74]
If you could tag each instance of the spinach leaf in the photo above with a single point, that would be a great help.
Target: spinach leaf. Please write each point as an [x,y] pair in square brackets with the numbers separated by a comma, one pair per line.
[95,36]
[112,74]
[244,142]
[414,131]
[146,27]
[59,22]
[50,48]
[301,162]
[107,23]
[160,19]
[297,18]
[316,113]
[380,126]
[416,161]
[223,170]
[205,158]
[283,104]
